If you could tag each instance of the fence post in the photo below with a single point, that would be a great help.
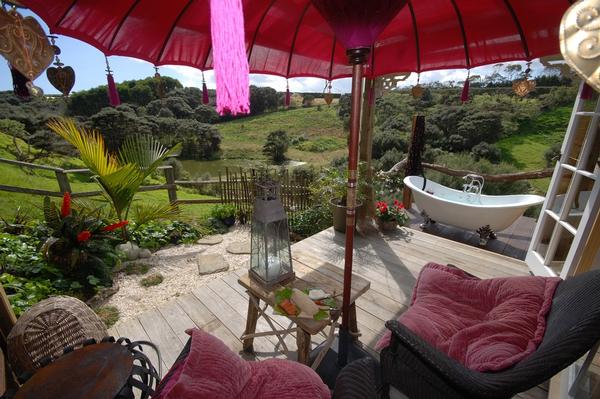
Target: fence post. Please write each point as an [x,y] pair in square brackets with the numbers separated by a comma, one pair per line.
[63,181]
[172,189]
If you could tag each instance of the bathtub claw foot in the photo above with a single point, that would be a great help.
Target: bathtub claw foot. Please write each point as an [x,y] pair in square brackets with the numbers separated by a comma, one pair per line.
[485,234]
[427,221]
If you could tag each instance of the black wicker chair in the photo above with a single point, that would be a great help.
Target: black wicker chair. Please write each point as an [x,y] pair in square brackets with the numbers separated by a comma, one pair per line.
[573,327]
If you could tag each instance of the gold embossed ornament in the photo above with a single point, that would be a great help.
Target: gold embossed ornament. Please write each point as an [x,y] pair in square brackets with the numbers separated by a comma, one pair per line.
[328,96]
[62,78]
[523,87]
[579,35]
[24,44]
[417,91]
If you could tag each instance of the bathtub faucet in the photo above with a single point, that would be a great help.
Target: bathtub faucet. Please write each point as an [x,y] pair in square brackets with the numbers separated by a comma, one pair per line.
[474,184]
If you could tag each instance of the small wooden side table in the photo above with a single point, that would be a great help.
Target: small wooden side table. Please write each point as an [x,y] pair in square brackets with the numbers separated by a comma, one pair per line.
[305,327]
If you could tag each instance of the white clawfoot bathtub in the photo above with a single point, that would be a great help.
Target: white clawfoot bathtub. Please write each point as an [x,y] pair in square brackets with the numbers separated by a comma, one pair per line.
[485,213]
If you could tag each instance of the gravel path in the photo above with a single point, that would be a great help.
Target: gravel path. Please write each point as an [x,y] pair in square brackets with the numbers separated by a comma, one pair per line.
[178,266]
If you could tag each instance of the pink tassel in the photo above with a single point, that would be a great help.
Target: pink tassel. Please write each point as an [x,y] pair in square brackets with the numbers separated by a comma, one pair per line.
[586,92]
[464,97]
[205,99]
[229,57]
[113,94]
[288,97]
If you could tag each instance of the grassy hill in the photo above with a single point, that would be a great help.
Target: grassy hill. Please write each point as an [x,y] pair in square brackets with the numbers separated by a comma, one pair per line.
[318,131]
[46,180]
[526,149]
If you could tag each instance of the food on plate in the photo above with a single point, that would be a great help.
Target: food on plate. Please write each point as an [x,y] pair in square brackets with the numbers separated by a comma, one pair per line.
[288,307]
[306,305]
[316,294]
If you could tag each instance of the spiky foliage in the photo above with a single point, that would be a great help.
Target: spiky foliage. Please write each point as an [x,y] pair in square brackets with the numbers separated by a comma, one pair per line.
[119,175]
[149,212]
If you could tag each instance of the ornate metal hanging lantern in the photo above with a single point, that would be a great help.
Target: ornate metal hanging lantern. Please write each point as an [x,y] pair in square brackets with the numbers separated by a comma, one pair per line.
[525,86]
[328,96]
[271,256]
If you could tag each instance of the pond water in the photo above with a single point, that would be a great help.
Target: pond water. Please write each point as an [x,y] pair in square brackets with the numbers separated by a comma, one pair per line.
[203,169]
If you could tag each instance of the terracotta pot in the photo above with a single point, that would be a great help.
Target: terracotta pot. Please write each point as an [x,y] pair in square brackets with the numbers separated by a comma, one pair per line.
[387,225]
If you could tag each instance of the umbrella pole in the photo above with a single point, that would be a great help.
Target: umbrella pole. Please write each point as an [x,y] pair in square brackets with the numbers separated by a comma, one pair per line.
[357,57]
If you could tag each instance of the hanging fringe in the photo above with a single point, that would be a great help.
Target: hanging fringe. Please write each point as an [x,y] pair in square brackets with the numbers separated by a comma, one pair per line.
[229,57]
[288,96]
[464,97]
[113,94]
[586,92]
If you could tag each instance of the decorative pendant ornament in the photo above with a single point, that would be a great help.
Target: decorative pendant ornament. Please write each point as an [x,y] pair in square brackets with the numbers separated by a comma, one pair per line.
[464,96]
[205,98]
[158,83]
[328,96]
[63,79]
[24,44]
[417,91]
[579,40]
[288,97]
[113,94]
[525,86]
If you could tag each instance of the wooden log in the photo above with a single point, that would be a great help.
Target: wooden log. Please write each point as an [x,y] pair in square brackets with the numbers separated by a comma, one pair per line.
[303,342]
[33,191]
[503,177]
[63,181]
[366,212]
[172,189]
[30,165]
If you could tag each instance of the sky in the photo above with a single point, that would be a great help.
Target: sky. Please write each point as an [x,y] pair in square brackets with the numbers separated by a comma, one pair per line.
[89,66]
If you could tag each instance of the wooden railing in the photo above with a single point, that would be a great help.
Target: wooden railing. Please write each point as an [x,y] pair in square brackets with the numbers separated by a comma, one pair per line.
[234,187]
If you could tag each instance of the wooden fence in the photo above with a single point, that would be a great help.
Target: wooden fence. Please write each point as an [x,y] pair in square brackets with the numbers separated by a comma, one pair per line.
[234,187]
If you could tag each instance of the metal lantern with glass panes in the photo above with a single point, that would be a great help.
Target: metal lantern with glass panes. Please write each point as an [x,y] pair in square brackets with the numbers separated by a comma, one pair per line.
[271,257]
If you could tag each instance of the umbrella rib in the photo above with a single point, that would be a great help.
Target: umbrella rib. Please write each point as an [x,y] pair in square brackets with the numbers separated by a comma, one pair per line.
[462,31]
[129,11]
[262,18]
[332,55]
[416,30]
[519,27]
[173,26]
[68,10]
[295,37]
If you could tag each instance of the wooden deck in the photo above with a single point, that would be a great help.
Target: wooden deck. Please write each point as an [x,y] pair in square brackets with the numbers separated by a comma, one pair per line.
[391,263]
[512,241]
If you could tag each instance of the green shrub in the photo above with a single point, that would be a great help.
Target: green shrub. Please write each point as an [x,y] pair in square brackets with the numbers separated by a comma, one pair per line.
[154,279]
[154,235]
[276,146]
[487,151]
[384,141]
[552,154]
[25,292]
[108,314]
[311,221]
[223,211]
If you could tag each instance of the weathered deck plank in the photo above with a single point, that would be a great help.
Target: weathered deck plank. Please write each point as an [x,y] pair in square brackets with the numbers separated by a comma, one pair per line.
[390,263]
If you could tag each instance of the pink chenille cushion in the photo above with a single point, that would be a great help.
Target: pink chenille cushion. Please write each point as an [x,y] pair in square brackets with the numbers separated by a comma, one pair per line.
[213,371]
[486,325]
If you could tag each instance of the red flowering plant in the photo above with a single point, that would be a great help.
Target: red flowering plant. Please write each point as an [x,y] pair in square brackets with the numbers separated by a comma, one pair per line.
[390,212]
[80,243]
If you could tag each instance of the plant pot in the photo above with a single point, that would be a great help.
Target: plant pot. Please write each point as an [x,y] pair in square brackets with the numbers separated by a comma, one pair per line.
[387,225]
[230,221]
[339,215]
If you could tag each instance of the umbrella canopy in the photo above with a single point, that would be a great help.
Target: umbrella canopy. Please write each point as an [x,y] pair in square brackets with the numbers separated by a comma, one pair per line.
[290,38]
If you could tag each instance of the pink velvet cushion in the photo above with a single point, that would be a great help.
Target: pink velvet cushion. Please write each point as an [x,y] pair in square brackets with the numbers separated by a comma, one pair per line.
[212,371]
[487,325]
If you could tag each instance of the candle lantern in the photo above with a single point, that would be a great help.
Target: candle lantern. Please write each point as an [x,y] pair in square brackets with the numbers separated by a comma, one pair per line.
[271,256]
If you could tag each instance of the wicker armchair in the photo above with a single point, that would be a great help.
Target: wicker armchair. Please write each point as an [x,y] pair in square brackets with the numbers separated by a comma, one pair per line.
[573,326]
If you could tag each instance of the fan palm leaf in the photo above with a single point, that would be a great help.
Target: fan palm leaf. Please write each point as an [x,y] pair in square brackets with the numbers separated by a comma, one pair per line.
[145,152]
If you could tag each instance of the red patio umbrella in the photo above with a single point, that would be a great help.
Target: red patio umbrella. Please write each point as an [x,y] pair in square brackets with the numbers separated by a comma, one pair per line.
[290,38]
[320,38]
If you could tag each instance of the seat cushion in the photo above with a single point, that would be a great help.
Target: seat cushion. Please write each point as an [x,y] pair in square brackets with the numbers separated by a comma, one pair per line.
[212,371]
[486,325]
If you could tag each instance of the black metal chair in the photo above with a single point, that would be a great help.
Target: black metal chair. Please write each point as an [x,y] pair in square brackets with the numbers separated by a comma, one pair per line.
[418,370]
